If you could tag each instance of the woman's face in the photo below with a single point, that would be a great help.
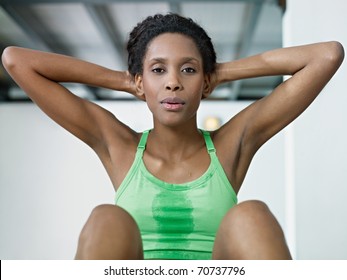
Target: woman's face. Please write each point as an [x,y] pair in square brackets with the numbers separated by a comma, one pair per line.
[173,81]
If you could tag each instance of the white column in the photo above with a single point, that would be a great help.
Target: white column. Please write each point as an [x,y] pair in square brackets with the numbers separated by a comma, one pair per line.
[318,163]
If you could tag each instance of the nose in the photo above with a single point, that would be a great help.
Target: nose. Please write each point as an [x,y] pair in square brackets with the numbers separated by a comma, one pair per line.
[173,83]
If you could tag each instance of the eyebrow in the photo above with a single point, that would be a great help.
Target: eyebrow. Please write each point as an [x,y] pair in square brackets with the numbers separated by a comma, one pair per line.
[183,59]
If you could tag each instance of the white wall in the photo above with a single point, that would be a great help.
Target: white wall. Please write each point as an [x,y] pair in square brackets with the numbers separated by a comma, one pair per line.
[50,181]
[320,137]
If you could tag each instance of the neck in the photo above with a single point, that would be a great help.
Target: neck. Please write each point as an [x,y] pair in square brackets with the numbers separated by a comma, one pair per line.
[175,143]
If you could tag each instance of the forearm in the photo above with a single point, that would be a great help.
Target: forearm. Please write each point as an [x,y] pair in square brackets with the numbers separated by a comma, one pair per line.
[284,61]
[61,68]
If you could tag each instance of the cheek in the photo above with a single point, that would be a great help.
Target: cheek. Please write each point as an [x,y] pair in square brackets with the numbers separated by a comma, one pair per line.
[150,86]
[196,88]
[150,90]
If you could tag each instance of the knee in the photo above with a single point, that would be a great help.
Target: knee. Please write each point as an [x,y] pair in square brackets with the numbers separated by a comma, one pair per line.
[249,213]
[249,207]
[253,205]
[250,230]
[110,218]
[109,233]
[109,213]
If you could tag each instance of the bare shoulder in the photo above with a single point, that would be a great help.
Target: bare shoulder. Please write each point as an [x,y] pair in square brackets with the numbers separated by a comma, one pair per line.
[117,152]
[234,151]
[229,149]
[117,139]
[229,137]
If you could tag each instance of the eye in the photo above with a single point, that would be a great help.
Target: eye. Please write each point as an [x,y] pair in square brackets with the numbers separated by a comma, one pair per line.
[189,70]
[158,70]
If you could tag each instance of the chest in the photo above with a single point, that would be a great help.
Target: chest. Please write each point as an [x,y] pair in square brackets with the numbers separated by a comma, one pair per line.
[177,208]
[178,171]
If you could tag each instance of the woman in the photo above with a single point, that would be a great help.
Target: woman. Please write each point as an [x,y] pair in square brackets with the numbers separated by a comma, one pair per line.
[176,185]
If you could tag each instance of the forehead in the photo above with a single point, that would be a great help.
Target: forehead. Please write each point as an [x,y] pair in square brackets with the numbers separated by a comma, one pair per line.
[173,45]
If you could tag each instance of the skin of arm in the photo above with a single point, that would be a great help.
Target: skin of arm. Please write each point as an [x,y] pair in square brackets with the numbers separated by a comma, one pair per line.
[39,74]
[310,67]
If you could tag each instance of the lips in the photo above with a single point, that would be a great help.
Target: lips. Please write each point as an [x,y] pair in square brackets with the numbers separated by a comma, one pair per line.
[173,103]
[173,100]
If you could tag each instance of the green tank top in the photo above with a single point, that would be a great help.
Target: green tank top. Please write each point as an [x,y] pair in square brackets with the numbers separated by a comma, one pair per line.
[176,221]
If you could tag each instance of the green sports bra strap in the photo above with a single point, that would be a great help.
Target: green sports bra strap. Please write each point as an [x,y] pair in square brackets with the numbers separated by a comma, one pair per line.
[206,134]
[143,140]
[208,141]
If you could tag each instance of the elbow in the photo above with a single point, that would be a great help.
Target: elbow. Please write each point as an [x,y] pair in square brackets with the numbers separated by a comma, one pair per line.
[8,58]
[334,54]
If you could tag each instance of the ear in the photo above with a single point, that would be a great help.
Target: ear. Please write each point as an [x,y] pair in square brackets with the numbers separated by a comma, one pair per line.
[207,90]
[140,94]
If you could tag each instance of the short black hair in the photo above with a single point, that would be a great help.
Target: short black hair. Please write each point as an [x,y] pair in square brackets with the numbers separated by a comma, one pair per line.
[145,31]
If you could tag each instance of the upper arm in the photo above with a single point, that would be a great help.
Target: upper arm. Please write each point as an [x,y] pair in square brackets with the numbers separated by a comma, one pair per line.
[246,132]
[266,117]
[84,119]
